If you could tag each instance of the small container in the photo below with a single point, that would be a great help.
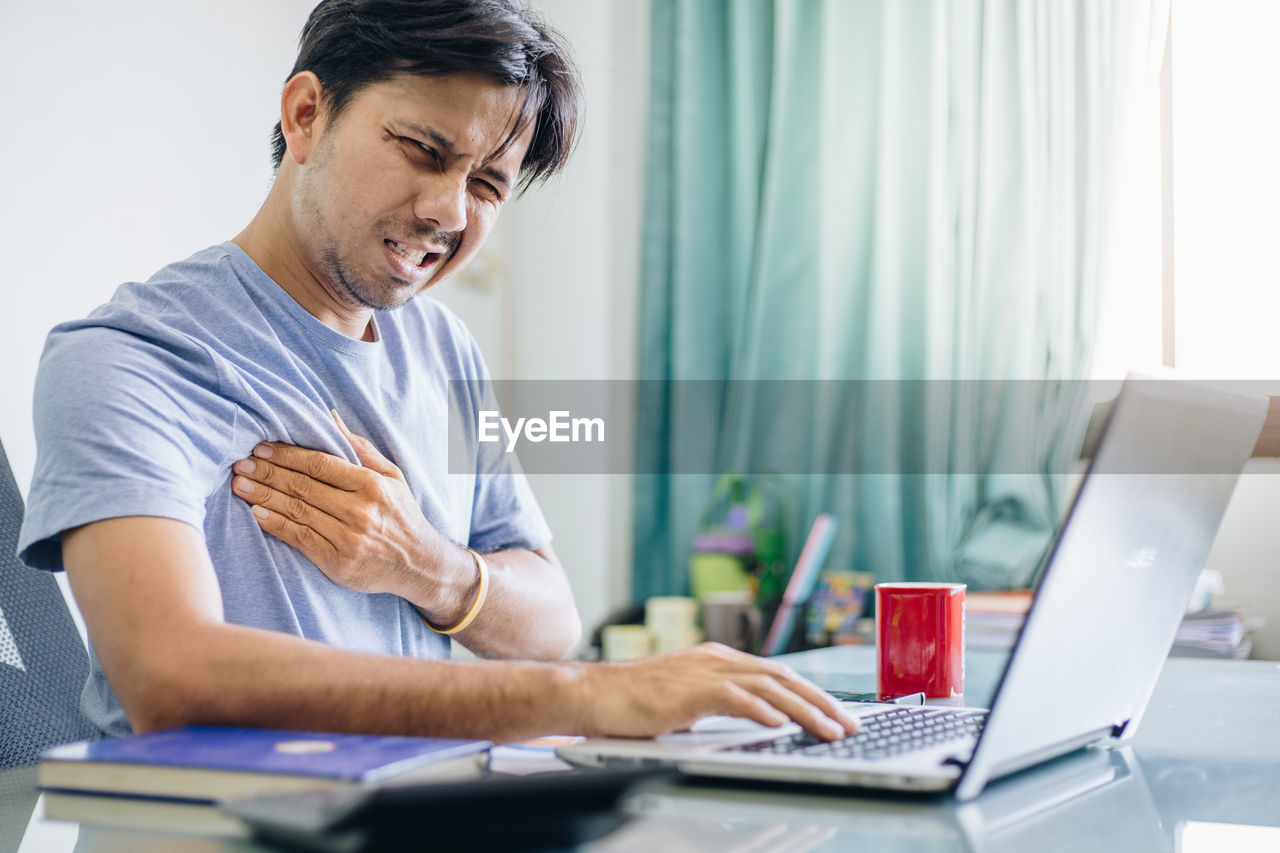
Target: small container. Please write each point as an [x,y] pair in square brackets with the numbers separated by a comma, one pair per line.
[920,639]
[670,613]
[625,642]
[672,622]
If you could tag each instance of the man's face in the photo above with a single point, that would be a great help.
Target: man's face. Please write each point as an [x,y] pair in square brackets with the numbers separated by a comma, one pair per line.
[402,189]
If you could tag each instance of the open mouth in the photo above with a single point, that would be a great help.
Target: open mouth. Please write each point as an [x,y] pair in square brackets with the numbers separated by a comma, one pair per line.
[417,257]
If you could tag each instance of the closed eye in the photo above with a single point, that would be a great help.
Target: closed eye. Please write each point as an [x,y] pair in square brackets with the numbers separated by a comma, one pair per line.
[433,160]
[420,148]
[488,189]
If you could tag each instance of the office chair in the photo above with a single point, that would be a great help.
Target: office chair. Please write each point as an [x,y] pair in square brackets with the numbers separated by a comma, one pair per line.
[43,663]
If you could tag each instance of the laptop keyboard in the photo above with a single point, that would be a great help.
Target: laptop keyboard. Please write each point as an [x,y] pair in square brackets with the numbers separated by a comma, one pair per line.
[882,735]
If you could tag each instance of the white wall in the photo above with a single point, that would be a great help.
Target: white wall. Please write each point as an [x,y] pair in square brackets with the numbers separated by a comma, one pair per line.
[134,134]
[1247,552]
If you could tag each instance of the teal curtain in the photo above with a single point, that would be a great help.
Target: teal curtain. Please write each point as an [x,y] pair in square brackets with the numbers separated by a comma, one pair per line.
[871,189]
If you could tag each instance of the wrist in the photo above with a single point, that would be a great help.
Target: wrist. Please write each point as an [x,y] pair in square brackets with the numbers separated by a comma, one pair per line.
[579,688]
[477,602]
[441,577]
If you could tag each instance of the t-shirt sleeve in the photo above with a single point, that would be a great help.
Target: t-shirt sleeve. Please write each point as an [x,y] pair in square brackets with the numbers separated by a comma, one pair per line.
[504,513]
[127,424]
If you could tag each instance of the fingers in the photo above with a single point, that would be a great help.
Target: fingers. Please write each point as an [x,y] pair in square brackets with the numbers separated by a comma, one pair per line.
[324,467]
[788,703]
[294,510]
[289,482]
[671,691]
[366,452]
[794,687]
[312,545]
[815,696]
[743,703]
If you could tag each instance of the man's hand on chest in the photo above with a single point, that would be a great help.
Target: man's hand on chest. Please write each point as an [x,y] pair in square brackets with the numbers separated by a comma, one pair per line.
[359,524]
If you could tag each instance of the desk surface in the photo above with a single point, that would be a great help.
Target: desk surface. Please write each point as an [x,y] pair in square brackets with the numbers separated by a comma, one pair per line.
[1203,774]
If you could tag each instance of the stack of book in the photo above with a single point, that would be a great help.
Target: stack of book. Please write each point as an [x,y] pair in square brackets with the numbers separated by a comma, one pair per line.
[1218,633]
[993,619]
[173,781]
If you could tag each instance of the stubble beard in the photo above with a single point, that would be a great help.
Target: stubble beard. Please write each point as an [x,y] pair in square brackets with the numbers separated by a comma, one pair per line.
[354,290]
[357,291]
[346,283]
[343,277]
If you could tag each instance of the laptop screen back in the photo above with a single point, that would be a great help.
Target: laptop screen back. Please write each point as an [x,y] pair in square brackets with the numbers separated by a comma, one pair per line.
[1119,577]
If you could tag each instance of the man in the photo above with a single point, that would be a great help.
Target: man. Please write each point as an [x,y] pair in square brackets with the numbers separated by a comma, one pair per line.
[243,466]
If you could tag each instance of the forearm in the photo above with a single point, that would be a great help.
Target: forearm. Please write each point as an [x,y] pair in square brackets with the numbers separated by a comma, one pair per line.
[221,674]
[152,604]
[529,612]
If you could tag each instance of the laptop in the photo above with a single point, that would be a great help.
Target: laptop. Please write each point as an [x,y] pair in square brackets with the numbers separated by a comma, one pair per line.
[1110,597]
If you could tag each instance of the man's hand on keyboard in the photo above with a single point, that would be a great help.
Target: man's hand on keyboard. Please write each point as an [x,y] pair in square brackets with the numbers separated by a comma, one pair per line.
[669,692]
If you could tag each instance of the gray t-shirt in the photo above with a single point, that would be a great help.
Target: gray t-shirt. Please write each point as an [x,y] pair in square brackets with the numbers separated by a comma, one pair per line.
[141,409]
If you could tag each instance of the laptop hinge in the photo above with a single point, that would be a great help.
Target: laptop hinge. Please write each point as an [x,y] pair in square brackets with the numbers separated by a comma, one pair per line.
[1013,765]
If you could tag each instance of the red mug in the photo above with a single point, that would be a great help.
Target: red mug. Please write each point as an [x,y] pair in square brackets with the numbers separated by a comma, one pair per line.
[920,639]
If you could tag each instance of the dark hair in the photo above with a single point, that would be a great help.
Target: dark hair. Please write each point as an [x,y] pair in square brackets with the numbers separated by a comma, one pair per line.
[350,44]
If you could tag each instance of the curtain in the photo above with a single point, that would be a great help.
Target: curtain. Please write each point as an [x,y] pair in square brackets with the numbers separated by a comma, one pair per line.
[908,191]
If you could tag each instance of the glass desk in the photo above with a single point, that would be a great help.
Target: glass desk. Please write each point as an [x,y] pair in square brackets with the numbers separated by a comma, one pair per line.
[1202,775]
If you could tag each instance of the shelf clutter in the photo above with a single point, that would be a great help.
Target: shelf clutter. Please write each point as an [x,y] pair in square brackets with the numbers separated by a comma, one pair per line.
[1210,629]
[993,619]
[1217,633]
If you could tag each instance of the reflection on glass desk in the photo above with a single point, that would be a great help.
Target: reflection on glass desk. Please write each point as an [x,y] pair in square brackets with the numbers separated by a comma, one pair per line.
[1094,800]
[1013,816]
[1202,775]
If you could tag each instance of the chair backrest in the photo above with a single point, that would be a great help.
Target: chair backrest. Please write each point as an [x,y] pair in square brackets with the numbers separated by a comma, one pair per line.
[43,663]
[18,795]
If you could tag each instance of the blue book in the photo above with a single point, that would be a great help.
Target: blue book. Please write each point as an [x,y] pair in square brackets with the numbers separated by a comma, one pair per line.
[216,764]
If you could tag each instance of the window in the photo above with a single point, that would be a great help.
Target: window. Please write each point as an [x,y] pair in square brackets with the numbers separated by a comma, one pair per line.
[1193,272]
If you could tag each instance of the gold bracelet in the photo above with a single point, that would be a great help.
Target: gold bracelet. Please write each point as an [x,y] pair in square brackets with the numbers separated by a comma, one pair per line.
[479,602]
